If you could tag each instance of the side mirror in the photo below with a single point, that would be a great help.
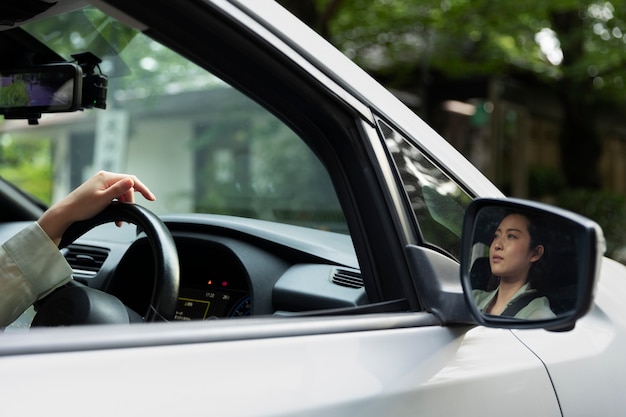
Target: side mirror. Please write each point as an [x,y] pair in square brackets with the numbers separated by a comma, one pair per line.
[528,265]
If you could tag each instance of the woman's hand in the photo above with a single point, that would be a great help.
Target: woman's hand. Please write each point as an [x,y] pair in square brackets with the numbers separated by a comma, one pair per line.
[90,198]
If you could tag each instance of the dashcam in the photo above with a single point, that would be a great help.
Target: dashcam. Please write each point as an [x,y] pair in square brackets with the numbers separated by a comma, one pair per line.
[94,84]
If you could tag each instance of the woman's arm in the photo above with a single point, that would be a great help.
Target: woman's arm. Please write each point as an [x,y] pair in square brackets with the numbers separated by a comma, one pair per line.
[31,265]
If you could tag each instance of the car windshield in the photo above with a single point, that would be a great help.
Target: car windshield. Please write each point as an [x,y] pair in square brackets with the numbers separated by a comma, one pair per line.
[199,144]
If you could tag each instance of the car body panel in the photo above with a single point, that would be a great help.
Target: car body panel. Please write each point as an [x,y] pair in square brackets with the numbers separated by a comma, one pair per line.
[589,355]
[425,371]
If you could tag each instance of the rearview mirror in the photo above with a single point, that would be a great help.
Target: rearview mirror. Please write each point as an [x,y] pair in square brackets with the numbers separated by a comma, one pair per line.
[528,265]
[27,92]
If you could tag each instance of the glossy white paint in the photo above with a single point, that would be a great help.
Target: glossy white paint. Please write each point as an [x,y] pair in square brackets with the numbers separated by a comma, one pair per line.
[491,374]
[424,371]
[583,362]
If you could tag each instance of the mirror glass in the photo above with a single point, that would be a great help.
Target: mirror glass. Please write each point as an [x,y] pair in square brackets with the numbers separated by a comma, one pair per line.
[46,88]
[526,263]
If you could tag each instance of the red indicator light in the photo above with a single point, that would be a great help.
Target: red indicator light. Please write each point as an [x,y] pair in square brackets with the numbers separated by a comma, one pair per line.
[224,283]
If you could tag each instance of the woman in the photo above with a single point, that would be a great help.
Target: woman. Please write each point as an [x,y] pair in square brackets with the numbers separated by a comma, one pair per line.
[514,257]
[31,265]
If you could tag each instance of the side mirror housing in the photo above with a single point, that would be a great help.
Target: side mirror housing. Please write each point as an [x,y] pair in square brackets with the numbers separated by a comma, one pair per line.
[528,265]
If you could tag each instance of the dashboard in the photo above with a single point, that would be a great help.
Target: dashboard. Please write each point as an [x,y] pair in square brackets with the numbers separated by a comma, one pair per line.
[229,268]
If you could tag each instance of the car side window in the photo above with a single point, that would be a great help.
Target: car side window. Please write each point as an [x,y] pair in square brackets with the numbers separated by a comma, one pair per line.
[250,164]
[438,203]
[219,151]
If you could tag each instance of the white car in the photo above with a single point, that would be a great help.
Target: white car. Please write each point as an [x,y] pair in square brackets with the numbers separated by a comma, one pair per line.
[314,249]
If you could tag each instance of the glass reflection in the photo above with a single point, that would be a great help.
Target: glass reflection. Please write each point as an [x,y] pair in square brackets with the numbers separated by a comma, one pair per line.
[437,201]
[523,264]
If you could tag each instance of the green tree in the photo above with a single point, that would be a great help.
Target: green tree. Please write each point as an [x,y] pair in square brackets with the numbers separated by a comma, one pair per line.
[575,48]
[27,164]
[14,94]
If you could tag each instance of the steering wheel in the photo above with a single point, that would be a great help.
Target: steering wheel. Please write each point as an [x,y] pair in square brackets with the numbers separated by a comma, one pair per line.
[76,303]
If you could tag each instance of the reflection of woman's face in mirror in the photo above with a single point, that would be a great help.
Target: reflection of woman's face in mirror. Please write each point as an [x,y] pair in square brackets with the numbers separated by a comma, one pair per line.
[525,276]
[512,251]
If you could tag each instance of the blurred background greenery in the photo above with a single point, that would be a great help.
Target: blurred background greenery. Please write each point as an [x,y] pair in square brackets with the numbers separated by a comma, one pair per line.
[532,92]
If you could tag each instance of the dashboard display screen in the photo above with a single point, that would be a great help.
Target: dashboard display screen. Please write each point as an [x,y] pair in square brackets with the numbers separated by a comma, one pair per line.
[196,304]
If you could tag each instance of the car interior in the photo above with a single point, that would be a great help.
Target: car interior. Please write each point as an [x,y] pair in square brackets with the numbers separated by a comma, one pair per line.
[249,239]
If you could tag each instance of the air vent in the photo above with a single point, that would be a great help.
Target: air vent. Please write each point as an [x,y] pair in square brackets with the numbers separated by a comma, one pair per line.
[85,261]
[347,278]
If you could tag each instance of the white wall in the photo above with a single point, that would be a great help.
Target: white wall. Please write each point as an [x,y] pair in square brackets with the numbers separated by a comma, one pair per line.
[154,149]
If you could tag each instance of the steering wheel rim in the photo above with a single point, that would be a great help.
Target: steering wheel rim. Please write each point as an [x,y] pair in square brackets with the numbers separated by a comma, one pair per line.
[166,281]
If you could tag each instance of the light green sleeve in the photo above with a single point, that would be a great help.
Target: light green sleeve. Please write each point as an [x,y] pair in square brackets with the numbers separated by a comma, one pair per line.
[482,298]
[537,309]
[31,266]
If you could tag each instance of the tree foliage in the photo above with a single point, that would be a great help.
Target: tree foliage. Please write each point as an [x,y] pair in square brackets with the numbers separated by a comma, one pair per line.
[575,48]
[27,164]
[467,37]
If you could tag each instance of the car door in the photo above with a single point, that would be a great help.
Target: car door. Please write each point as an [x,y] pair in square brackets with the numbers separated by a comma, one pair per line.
[488,361]
[396,364]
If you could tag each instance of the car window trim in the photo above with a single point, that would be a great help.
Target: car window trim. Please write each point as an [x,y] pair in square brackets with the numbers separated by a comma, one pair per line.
[92,338]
